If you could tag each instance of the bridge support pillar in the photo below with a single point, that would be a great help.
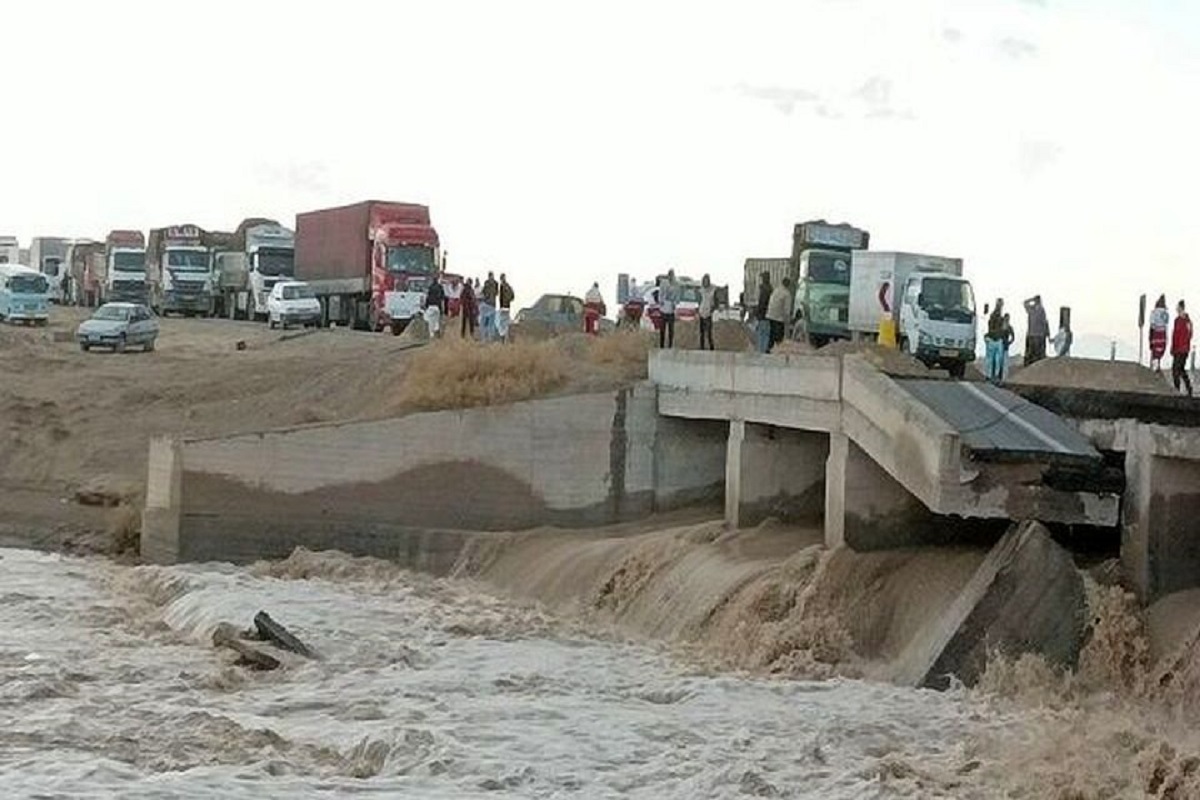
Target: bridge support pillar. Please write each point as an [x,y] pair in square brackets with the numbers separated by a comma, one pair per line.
[733,473]
[835,490]
[865,507]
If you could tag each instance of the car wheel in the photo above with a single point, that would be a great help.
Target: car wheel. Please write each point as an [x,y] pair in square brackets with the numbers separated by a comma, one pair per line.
[148,346]
[270,322]
[84,346]
[120,345]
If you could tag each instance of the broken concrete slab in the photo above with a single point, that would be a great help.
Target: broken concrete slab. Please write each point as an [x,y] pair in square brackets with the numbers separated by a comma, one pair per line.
[1026,597]
[230,637]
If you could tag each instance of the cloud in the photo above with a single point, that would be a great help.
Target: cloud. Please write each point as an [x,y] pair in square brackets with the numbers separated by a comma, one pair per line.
[302,177]
[1017,48]
[1035,156]
[952,35]
[1038,3]
[784,98]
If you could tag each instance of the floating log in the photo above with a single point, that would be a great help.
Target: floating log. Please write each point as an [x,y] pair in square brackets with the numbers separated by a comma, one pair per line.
[227,635]
[272,631]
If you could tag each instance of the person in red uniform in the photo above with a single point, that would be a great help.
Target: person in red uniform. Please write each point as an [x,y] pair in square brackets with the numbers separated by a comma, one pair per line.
[1181,348]
[1160,320]
[593,310]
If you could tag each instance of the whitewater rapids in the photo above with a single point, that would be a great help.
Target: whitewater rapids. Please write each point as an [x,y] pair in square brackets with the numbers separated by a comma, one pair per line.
[434,688]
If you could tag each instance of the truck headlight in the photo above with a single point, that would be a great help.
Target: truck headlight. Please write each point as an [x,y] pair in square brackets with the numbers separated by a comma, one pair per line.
[924,338]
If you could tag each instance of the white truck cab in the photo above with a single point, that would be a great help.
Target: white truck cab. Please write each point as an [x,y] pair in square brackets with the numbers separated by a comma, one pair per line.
[937,320]
[292,303]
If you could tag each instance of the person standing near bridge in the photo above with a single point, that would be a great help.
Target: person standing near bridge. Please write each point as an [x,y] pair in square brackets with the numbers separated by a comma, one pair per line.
[708,304]
[1181,348]
[1037,331]
[993,344]
[1160,319]
[779,312]
[761,326]
[593,310]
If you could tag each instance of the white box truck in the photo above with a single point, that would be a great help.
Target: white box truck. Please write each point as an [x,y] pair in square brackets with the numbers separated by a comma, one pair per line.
[925,296]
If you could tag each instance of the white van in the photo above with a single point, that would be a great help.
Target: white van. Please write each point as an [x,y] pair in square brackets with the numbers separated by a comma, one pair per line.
[292,303]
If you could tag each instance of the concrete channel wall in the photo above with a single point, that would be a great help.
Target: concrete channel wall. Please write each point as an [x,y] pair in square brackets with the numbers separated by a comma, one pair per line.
[397,487]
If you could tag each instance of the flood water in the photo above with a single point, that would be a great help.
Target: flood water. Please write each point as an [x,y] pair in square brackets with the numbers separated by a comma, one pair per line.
[429,689]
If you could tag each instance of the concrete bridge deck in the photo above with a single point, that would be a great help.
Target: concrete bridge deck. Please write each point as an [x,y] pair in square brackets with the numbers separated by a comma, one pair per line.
[884,442]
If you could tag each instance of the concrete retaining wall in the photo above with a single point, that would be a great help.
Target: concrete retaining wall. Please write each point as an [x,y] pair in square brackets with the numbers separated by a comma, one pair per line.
[380,487]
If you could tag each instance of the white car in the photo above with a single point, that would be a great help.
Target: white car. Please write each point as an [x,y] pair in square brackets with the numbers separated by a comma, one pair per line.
[292,303]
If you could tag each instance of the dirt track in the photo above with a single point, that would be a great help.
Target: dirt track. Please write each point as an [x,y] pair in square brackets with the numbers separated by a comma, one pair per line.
[69,419]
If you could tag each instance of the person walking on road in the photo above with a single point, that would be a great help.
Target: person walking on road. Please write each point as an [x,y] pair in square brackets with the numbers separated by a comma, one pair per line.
[708,303]
[993,344]
[779,311]
[1037,331]
[1160,320]
[762,325]
[1181,348]
[668,296]
[593,310]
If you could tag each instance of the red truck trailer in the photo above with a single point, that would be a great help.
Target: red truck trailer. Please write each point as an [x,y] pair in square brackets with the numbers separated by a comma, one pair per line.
[369,263]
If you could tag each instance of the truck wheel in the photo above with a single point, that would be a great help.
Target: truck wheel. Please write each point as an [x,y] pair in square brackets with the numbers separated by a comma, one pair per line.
[958,369]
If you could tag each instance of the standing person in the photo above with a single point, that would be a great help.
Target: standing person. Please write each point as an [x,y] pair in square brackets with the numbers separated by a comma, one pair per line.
[708,302]
[487,307]
[779,311]
[1181,348]
[593,310]
[993,343]
[1010,336]
[762,326]
[1160,318]
[505,316]
[1037,331]
[469,308]
[435,308]
[668,296]
[1064,338]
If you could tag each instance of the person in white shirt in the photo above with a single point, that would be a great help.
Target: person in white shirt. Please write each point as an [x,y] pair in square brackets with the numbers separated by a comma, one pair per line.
[779,312]
[668,296]
[708,302]
[593,310]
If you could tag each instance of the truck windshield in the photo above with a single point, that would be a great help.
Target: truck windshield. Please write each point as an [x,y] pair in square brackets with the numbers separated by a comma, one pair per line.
[828,267]
[947,299]
[297,292]
[129,262]
[28,284]
[410,258]
[188,260]
[276,263]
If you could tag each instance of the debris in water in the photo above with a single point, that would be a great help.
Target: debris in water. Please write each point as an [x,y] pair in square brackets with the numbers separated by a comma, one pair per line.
[227,635]
[272,631]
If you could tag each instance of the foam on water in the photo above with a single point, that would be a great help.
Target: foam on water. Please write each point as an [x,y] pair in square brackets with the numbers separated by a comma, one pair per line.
[433,688]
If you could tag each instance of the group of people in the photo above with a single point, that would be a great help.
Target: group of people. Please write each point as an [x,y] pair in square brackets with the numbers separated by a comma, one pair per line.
[772,312]
[666,297]
[485,308]
[1000,337]
[1181,341]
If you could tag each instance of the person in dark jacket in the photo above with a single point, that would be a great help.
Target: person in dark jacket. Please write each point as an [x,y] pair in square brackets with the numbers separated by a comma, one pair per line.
[1037,332]
[435,307]
[487,308]
[469,309]
[1181,348]
[762,325]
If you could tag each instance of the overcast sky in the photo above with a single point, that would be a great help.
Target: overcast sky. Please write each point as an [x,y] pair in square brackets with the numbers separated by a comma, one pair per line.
[1050,143]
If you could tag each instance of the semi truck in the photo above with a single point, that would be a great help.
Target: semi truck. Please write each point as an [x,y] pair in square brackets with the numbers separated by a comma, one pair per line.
[369,263]
[925,297]
[125,267]
[10,250]
[820,267]
[259,254]
[88,267]
[48,255]
[179,267]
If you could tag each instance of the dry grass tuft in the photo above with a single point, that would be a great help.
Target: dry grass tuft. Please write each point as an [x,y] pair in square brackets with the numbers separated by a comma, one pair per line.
[627,351]
[124,530]
[453,373]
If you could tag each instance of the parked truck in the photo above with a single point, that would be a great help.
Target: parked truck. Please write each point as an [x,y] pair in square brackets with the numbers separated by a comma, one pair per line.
[369,263]
[259,254]
[820,266]
[925,297]
[125,267]
[10,250]
[48,255]
[776,268]
[88,270]
[180,271]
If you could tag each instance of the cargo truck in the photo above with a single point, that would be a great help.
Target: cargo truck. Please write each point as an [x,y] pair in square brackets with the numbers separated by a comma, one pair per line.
[48,255]
[820,266]
[179,266]
[925,297]
[125,267]
[260,253]
[777,268]
[370,263]
[10,250]
[88,268]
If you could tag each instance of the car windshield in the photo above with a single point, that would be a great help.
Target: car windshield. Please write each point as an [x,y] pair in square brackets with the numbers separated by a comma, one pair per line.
[130,262]
[689,293]
[828,268]
[28,284]
[297,292]
[947,299]
[188,260]
[411,258]
[277,263]
[112,312]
